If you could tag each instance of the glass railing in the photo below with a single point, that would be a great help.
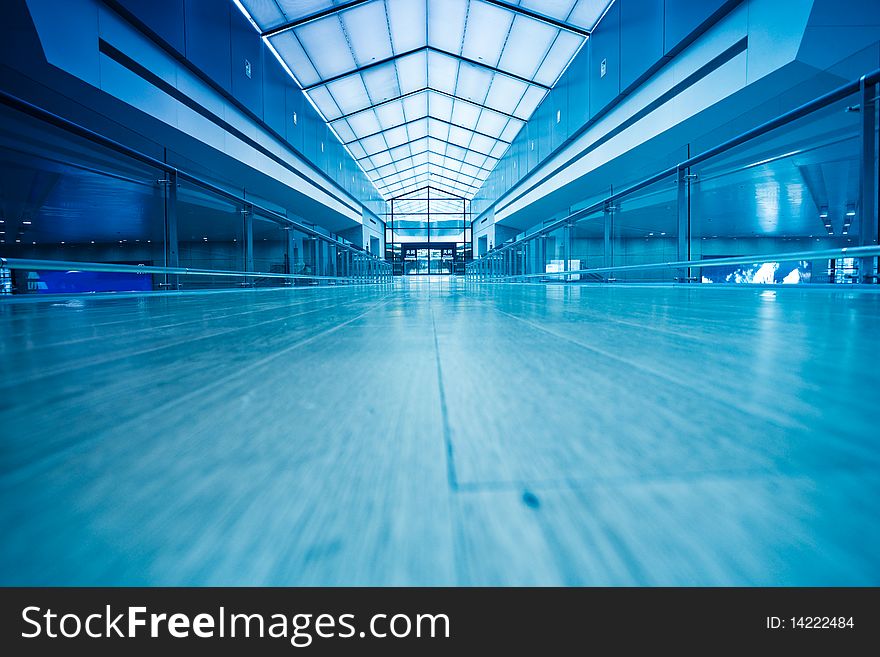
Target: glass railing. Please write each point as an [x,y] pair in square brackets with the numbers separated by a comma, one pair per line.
[791,201]
[83,213]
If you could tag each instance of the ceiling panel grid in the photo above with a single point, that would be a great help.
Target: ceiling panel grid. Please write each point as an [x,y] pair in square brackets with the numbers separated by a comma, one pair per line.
[425,92]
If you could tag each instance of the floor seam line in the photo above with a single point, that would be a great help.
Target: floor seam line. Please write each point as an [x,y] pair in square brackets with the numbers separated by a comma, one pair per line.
[447,431]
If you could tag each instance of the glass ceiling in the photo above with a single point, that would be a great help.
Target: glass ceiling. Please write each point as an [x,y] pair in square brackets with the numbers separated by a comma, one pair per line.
[425,91]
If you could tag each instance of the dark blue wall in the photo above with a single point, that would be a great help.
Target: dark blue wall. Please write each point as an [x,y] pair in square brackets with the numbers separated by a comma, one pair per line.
[246,47]
[684,16]
[604,45]
[641,42]
[205,19]
[165,18]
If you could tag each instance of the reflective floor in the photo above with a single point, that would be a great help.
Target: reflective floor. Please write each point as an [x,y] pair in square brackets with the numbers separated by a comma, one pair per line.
[442,432]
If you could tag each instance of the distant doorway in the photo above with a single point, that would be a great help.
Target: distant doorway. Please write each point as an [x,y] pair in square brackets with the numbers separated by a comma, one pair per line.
[482,246]
[428,231]
[429,258]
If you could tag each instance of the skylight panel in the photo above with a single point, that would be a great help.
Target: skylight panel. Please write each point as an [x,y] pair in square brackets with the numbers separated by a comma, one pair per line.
[474,158]
[364,123]
[442,72]
[408,27]
[381,82]
[380,159]
[505,93]
[512,129]
[390,114]
[373,144]
[344,131]
[385,171]
[464,113]
[290,50]
[459,136]
[446,23]
[396,136]
[412,72]
[438,146]
[587,13]
[529,103]
[367,29]
[473,82]
[487,28]
[356,151]
[498,150]
[440,106]
[265,14]
[349,93]
[325,103]
[561,53]
[557,9]
[526,46]
[418,129]
[491,123]
[416,106]
[297,9]
[438,129]
[457,152]
[470,170]
[326,46]
[482,144]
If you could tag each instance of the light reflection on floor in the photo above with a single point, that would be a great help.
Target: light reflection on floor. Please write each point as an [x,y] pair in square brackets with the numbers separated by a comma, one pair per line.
[442,432]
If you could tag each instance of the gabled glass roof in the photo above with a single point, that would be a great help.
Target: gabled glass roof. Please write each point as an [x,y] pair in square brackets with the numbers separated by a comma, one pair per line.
[430,200]
[425,91]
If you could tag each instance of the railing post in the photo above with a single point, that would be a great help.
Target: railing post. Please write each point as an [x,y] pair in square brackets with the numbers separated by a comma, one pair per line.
[291,254]
[868,223]
[608,248]
[566,249]
[172,258]
[683,176]
[543,255]
[247,218]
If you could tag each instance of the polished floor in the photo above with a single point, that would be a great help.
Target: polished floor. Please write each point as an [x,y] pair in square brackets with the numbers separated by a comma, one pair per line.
[442,433]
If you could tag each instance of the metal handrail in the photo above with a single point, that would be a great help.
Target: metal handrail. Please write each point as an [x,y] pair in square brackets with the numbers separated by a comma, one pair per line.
[807,108]
[71,266]
[843,252]
[66,124]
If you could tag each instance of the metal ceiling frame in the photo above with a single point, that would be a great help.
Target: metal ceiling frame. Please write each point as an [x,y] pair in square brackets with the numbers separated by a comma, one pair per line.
[516,9]
[432,152]
[423,90]
[427,117]
[423,164]
[457,182]
[413,141]
[426,49]
[419,186]
[324,13]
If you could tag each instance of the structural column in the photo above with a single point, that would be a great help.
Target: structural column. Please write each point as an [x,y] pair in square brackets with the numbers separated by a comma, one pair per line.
[172,258]
[608,245]
[868,223]
[683,175]
[247,216]
[566,248]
